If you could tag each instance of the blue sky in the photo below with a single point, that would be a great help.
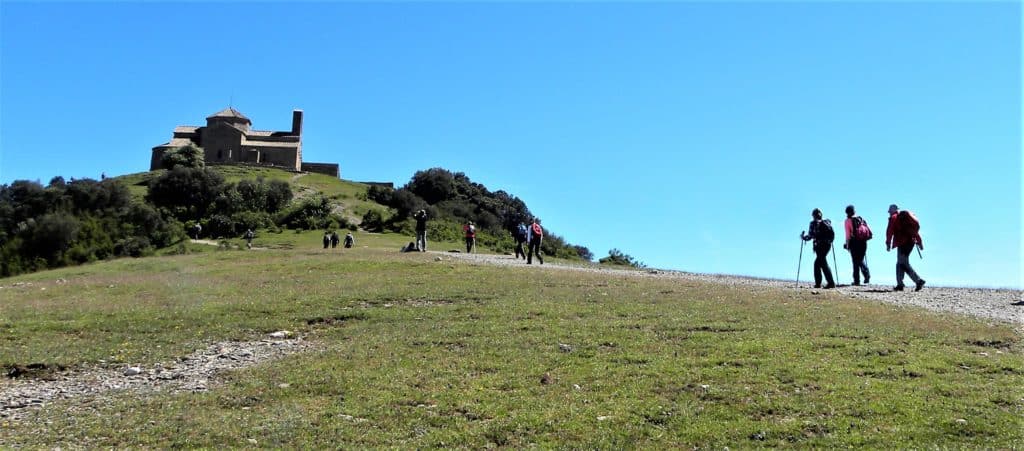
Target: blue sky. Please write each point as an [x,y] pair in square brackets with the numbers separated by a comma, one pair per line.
[692,136]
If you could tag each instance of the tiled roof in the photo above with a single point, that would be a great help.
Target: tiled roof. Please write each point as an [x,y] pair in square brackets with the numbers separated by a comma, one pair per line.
[177,142]
[229,112]
[260,133]
[185,129]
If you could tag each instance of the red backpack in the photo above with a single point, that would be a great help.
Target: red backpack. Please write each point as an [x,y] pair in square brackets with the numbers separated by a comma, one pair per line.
[908,222]
[861,231]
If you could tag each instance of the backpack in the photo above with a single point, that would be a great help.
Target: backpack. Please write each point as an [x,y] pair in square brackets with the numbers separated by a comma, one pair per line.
[861,231]
[825,232]
[908,222]
[521,231]
[537,231]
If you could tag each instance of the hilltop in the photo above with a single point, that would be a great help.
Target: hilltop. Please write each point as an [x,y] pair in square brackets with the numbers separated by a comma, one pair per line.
[78,221]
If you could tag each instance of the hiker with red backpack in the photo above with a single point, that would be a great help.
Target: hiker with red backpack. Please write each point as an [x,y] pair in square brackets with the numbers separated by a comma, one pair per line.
[857,235]
[821,232]
[536,237]
[469,229]
[903,234]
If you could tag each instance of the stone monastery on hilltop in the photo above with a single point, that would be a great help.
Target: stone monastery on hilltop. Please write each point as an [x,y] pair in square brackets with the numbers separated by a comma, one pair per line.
[228,138]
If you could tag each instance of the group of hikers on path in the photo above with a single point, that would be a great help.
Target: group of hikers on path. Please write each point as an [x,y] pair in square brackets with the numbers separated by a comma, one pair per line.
[331,239]
[902,233]
[532,236]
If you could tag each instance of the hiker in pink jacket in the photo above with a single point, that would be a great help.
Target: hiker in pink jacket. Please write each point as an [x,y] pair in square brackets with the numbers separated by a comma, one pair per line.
[857,235]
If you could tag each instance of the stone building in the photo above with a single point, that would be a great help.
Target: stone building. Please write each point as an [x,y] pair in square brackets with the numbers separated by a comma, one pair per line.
[228,138]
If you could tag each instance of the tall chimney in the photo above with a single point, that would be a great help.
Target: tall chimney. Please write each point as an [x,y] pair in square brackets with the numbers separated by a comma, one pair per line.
[297,122]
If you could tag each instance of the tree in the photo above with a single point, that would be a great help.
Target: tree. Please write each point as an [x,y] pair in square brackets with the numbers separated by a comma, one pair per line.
[188,193]
[188,156]
[433,185]
[51,235]
[279,194]
[584,253]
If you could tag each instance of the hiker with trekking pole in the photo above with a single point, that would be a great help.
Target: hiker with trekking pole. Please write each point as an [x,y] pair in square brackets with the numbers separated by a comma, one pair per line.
[820,230]
[904,234]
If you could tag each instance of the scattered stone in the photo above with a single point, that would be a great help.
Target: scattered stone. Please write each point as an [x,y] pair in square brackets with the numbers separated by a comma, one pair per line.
[576,387]
[759,436]
[194,373]
[281,334]
[284,385]
[62,281]
[564,347]
[961,421]
[438,258]
[604,418]
[545,379]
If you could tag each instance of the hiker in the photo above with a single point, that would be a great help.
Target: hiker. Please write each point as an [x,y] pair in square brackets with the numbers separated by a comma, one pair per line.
[857,235]
[327,239]
[196,229]
[421,230]
[349,240]
[334,239]
[903,234]
[249,235]
[536,237]
[520,236]
[821,232]
[470,231]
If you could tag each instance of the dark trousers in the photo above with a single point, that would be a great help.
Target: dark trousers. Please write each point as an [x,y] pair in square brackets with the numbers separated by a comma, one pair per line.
[421,240]
[858,250]
[534,250]
[903,264]
[821,265]
[470,243]
[520,252]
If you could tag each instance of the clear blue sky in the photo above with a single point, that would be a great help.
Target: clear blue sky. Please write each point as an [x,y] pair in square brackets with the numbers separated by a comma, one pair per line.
[692,136]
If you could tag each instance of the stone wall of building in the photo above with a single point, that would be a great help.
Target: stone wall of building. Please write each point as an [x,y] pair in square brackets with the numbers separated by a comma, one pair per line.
[322,168]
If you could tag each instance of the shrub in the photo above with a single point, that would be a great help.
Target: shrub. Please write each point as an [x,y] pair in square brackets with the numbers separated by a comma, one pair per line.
[617,257]
[311,214]
[373,221]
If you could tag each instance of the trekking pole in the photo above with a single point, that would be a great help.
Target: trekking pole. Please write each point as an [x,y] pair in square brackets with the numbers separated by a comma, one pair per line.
[835,264]
[798,262]
[919,253]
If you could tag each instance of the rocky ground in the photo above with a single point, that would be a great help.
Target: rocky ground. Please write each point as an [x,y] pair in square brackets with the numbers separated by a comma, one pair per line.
[198,371]
[193,373]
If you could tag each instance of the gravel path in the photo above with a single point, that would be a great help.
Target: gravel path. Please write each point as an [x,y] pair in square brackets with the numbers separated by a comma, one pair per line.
[984,303]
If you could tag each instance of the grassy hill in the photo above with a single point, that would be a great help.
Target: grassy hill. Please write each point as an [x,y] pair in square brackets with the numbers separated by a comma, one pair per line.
[419,353]
[349,197]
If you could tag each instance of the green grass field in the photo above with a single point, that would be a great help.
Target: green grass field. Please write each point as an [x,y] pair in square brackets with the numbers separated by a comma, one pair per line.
[420,353]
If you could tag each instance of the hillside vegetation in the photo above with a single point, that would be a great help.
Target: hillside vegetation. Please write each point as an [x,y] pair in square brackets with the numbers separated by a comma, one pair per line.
[68,223]
[416,351]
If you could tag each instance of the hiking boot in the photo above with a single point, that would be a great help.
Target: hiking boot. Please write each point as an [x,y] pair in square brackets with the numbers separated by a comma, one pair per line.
[897,288]
[920,285]
[830,286]
[817,285]
[867,280]
[856,284]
